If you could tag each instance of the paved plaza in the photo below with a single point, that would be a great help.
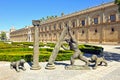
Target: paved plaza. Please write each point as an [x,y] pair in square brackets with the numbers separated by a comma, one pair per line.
[111,72]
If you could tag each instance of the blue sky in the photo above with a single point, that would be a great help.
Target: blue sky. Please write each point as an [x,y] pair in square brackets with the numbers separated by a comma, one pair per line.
[20,13]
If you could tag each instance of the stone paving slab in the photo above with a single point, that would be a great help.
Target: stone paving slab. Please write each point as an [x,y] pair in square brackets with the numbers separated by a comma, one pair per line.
[111,72]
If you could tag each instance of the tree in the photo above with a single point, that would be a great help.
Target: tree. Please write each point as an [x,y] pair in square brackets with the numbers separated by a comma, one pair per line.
[3,35]
[118,3]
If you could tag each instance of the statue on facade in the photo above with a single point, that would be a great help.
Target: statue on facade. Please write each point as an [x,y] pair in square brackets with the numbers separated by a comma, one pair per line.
[97,61]
[74,46]
[18,65]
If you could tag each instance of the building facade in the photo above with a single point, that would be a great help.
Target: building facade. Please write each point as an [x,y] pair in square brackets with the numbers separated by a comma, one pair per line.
[99,24]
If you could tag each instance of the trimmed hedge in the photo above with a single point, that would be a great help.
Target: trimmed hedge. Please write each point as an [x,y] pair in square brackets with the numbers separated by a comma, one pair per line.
[29,57]
[52,45]
[18,50]
[15,50]
[12,57]
[90,49]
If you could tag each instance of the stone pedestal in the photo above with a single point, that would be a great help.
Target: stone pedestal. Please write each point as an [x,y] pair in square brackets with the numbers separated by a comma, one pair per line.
[35,65]
[50,66]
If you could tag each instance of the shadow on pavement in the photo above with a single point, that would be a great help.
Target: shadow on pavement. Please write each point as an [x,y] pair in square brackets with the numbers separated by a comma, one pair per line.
[109,56]
[117,47]
[88,55]
[59,63]
[112,56]
[30,64]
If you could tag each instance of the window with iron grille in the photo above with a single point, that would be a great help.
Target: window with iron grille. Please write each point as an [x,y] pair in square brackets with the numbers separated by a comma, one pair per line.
[112,18]
[95,20]
[83,22]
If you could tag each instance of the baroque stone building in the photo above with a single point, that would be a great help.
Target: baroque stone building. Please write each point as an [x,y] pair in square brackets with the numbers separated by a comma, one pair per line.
[99,24]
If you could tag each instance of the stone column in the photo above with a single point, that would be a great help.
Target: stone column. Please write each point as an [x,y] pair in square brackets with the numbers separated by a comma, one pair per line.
[103,17]
[101,35]
[117,16]
[101,28]
[77,22]
[87,20]
[70,24]
[35,65]
[87,35]
[102,20]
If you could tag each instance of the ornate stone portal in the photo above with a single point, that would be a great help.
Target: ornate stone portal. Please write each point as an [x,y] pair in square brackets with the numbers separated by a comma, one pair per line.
[35,65]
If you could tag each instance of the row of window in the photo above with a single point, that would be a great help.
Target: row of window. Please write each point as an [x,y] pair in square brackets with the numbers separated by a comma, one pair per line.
[112,18]
[54,35]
